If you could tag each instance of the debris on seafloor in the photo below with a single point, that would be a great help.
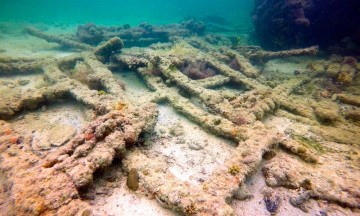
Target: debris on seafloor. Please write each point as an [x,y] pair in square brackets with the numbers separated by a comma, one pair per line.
[272,201]
[58,174]
[52,179]
[133,179]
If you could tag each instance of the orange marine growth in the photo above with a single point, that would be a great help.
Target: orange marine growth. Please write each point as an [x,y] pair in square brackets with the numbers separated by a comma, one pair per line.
[13,139]
[8,131]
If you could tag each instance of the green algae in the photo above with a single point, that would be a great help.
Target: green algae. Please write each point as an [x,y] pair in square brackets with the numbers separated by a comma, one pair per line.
[102,92]
[309,143]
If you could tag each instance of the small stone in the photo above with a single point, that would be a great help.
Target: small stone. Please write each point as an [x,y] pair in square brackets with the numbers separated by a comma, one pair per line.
[177,130]
[289,131]
[86,212]
[162,130]
[23,82]
[11,85]
[334,97]
[325,94]
[148,142]
[306,184]
[268,155]
[323,213]
[299,200]
[180,141]
[133,180]
[194,146]
[168,82]
[272,202]
[297,72]
[248,159]
[102,192]
[242,193]
[146,172]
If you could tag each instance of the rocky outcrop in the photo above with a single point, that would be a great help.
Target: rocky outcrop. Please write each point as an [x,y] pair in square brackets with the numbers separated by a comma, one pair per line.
[297,23]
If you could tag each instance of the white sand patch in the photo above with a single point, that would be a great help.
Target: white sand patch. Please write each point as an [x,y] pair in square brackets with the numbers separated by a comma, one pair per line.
[288,66]
[193,154]
[22,83]
[51,126]
[124,202]
[15,42]
[279,123]
[136,89]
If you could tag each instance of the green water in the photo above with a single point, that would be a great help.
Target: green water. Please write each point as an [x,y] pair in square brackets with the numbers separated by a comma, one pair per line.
[116,12]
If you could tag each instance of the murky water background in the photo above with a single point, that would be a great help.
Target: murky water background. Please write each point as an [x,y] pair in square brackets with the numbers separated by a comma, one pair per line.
[115,12]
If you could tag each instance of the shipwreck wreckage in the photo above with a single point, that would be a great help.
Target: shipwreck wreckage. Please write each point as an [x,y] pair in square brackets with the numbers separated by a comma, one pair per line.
[46,182]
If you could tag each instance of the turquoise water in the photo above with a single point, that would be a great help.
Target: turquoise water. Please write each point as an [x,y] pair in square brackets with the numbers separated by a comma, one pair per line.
[115,12]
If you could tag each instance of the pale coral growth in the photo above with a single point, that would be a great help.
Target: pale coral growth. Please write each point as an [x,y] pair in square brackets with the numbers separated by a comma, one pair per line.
[342,70]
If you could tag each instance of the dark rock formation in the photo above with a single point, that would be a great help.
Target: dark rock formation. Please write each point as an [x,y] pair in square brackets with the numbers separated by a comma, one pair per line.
[195,26]
[143,35]
[272,202]
[297,23]
[90,33]
[133,180]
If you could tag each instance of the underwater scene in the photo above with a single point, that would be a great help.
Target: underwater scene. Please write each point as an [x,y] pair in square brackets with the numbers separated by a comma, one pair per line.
[180,107]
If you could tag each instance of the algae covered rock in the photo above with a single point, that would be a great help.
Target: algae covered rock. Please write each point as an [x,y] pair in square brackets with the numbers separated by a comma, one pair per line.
[333,70]
[133,179]
[317,67]
[90,34]
[293,23]
[353,115]
[105,50]
[326,116]
[349,99]
[195,26]
[347,74]
[242,193]
[272,201]
[87,212]
[342,69]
